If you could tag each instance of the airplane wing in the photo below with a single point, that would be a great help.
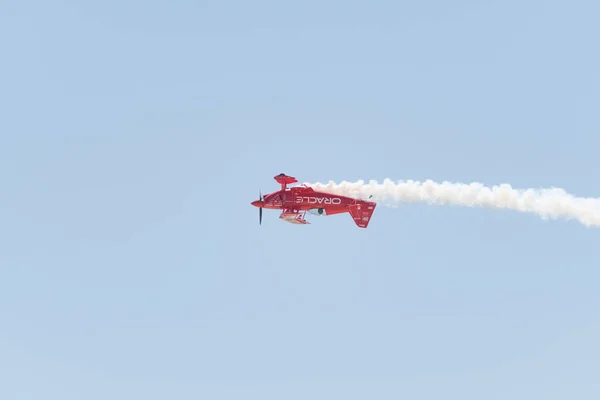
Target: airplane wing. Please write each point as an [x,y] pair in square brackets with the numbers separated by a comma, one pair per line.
[294,217]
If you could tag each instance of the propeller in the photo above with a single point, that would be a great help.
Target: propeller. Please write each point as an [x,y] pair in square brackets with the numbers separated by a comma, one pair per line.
[260,208]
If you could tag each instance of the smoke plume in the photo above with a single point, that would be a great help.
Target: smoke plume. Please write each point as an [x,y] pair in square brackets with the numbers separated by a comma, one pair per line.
[550,203]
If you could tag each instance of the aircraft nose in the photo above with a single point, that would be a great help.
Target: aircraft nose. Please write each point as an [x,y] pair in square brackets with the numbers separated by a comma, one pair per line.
[256,203]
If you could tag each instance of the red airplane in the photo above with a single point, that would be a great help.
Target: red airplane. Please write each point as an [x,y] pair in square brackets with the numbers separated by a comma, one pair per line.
[296,201]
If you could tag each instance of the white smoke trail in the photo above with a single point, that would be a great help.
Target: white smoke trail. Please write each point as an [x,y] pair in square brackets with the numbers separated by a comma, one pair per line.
[551,203]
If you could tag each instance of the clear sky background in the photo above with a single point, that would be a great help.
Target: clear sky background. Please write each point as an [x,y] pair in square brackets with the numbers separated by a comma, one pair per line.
[135,134]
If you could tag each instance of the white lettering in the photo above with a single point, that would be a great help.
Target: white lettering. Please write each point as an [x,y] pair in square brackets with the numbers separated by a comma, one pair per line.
[318,200]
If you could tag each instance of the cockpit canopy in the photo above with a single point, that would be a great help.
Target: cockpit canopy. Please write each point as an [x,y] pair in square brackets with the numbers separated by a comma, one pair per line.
[317,211]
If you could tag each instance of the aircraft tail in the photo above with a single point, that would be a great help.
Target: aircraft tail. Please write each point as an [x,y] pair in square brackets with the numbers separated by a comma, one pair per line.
[362,212]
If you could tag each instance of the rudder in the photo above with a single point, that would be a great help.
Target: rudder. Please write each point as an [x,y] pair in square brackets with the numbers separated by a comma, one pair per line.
[361,213]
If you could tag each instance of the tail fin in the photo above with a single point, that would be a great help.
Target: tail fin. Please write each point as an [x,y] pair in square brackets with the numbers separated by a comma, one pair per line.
[361,213]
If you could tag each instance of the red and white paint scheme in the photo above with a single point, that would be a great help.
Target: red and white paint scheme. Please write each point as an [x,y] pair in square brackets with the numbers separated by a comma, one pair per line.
[295,202]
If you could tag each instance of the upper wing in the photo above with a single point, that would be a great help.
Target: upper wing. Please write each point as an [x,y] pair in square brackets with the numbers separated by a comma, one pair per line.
[293,217]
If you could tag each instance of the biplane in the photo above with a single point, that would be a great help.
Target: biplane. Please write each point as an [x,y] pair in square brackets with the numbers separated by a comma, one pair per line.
[294,202]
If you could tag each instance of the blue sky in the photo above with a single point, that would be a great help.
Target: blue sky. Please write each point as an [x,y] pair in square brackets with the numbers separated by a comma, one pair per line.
[134,136]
